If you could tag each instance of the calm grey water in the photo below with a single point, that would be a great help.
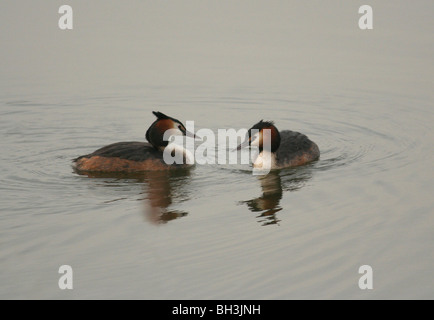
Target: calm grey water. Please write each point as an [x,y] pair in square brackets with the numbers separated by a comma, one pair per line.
[218,232]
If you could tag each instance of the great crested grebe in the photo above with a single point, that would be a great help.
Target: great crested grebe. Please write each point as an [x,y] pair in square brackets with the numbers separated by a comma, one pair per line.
[133,156]
[287,148]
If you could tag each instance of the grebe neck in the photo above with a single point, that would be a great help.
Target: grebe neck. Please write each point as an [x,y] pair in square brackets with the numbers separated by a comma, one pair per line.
[176,154]
[265,160]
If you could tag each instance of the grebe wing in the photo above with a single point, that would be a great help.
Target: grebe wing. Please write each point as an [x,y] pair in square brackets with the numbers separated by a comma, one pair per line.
[296,148]
[131,150]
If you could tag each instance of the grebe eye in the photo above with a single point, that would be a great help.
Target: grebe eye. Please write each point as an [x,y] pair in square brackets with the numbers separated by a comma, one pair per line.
[181,128]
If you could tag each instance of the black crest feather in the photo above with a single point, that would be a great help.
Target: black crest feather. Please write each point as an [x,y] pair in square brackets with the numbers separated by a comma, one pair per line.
[160,115]
[262,124]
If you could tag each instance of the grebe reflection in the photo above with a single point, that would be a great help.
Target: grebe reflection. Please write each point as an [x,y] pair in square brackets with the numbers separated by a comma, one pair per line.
[161,191]
[273,186]
[268,203]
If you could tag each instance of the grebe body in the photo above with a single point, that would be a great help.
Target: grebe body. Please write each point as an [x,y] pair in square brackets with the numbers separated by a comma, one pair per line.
[134,156]
[287,148]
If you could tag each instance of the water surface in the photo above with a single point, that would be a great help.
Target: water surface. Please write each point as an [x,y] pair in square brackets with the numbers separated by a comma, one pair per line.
[217,232]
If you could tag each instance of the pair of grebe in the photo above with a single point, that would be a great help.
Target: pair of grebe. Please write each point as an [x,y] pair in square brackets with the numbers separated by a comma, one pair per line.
[287,149]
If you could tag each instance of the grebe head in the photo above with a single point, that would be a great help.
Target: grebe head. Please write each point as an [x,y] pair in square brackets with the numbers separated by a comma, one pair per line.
[156,131]
[255,136]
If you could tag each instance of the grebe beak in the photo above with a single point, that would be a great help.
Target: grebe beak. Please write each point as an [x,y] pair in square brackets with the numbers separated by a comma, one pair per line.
[191,135]
[244,144]
[188,133]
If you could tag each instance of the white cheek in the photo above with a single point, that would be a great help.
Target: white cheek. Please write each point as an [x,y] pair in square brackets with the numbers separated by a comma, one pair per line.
[178,132]
[171,132]
[255,140]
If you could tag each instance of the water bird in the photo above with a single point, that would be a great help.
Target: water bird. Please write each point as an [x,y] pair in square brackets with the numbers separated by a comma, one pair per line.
[287,148]
[134,156]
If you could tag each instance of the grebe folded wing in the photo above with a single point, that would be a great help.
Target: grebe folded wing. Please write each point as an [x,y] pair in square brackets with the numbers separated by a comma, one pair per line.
[295,149]
[130,150]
